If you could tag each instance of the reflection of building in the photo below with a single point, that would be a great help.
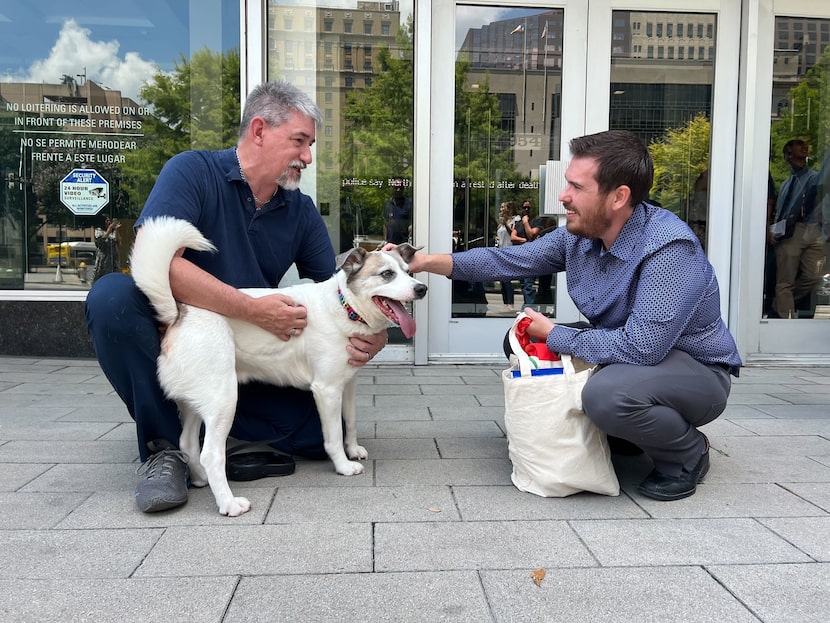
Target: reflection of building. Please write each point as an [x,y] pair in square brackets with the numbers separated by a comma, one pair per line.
[330,52]
[661,75]
[68,123]
[799,44]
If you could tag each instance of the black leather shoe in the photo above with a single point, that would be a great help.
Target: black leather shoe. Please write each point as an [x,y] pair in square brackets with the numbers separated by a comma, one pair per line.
[666,488]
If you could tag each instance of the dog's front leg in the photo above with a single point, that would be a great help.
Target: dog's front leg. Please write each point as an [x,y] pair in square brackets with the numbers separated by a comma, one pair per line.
[353,449]
[329,403]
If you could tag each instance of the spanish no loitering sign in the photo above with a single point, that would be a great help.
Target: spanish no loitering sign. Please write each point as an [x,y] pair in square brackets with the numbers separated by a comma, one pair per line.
[84,192]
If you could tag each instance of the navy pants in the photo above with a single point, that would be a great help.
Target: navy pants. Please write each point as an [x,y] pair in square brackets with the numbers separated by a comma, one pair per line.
[125,335]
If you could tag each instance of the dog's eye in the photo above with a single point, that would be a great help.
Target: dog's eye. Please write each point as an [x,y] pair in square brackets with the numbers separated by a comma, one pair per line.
[388,274]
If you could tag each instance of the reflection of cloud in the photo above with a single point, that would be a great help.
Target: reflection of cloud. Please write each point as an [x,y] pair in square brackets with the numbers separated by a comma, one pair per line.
[74,52]
[467,17]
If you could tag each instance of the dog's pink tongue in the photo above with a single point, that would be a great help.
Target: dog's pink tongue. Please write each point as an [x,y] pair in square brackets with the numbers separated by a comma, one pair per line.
[405,321]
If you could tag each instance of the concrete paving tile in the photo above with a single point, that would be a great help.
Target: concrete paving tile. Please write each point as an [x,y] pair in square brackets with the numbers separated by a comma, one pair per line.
[507,503]
[478,545]
[36,511]
[731,500]
[785,427]
[400,597]
[58,451]
[738,412]
[744,468]
[14,476]
[472,447]
[85,477]
[476,412]
[369,505]
[390,472]
[11,399]
[103,413]
[60,554]
[482,388]
[58,430]
[491,400]
[757,446]
[401,448]
[442,428]
[122,431]
[402,390]
[796,412]
[260,550]
[762,388]
[631,542]
[809,534]
[57,389]
[753,398]
[816,492]
[115,509]
[313,474]
[780,593]
[803,388]
[802,398]
[435,379]
[725,428]
[13,414]
[666,595]
[435,400]
[400,412]
[180,600]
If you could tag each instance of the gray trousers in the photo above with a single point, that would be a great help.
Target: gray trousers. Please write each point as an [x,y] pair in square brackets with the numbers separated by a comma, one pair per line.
[659,408]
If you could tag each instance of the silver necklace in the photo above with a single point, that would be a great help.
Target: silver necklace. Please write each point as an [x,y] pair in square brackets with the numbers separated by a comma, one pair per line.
[245,179]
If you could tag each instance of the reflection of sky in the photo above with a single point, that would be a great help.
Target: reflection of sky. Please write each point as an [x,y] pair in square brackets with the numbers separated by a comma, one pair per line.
[467,17]
[115,41]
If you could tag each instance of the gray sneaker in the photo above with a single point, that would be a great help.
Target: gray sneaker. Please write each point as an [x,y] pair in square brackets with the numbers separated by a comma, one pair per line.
[163,482]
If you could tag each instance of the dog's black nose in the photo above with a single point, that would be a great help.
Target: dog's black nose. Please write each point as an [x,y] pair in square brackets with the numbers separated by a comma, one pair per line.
[420,290]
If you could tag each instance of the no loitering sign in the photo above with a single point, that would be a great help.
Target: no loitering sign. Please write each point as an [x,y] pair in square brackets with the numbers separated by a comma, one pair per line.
[84,192]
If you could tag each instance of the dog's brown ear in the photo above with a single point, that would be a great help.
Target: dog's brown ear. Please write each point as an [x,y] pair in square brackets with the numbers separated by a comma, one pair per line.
[351,260]
[406,251]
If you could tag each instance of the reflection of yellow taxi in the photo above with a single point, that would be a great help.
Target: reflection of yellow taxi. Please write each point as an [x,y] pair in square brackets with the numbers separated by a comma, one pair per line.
[71,254]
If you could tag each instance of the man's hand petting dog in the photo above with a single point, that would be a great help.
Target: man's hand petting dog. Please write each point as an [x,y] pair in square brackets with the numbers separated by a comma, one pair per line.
[278,314]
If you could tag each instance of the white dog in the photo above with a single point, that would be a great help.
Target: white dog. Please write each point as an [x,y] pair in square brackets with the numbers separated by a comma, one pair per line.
[204,355]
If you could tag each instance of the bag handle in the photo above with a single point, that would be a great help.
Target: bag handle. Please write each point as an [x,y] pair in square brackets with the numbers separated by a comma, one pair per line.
[522,357]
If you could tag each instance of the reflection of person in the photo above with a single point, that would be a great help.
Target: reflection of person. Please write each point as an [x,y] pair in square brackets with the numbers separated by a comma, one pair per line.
[797,229]
[769,252]
[106,243]
[245,200]
[397,215]
[639,275]
[506,216]
[524,231]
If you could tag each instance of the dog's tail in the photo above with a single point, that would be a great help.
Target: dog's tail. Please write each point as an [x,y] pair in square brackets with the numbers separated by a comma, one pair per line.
[161,237]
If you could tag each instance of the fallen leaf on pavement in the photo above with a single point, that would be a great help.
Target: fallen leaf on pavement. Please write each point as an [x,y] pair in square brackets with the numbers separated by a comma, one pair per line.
[538,576]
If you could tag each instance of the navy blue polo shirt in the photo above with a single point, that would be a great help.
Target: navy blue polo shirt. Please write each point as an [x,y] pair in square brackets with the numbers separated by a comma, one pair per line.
[256,247]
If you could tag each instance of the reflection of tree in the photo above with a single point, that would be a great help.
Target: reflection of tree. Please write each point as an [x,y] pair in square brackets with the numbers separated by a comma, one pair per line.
[483,158]
[196,106]
[681,157]
[807,117]
[378,136]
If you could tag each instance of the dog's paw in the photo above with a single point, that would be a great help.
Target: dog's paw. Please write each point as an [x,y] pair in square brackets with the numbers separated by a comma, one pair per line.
[350,468]
[235,507]
[358,453]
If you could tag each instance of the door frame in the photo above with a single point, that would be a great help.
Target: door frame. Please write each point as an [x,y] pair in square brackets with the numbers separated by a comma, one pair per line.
[586,44]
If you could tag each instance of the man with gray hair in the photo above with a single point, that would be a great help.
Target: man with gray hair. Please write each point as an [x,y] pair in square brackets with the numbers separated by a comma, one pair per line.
[246,201]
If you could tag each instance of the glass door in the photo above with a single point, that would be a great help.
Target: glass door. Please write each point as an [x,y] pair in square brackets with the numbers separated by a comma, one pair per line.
[522,88]
[795,304]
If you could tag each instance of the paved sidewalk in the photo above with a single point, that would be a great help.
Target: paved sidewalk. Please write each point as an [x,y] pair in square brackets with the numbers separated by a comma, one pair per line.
[433,531]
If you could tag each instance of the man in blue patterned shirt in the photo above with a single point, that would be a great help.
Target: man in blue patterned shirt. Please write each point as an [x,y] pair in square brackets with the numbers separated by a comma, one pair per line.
[641,278]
